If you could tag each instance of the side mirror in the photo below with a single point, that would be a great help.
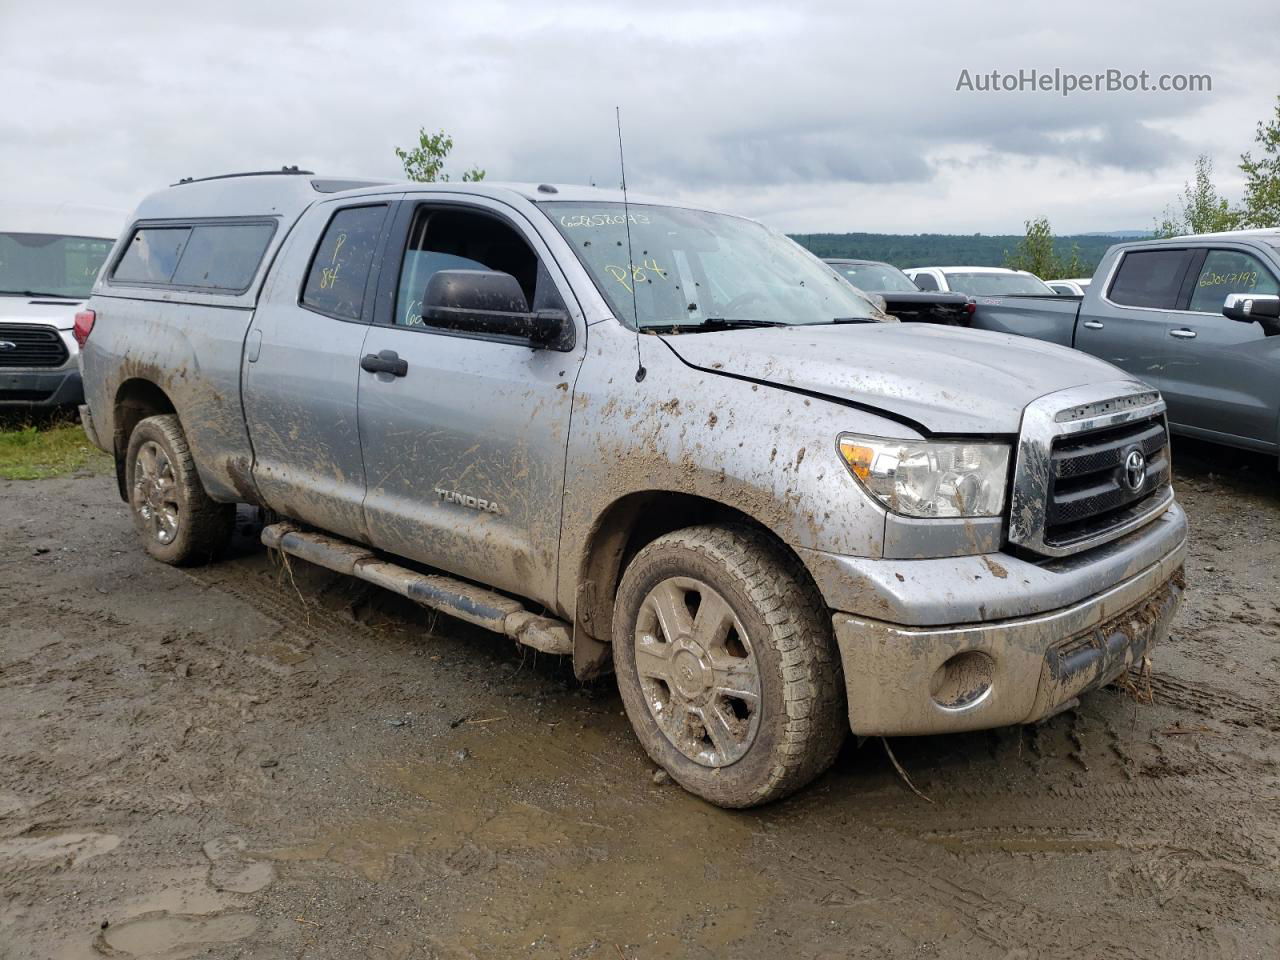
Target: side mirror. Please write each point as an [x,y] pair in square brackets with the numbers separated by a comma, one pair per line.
[487,301]
[1248,307]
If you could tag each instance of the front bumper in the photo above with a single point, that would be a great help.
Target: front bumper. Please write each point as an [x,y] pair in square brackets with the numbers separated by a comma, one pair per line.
[41,388]
[905,680]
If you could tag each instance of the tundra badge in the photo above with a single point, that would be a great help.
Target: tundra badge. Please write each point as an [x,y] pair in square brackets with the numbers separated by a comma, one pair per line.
[465,500]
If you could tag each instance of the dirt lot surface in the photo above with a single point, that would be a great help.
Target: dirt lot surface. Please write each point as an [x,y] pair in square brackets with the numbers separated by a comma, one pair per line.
[237,762]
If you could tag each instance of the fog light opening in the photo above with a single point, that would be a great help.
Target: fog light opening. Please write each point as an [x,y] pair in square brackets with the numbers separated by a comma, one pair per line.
[963,681]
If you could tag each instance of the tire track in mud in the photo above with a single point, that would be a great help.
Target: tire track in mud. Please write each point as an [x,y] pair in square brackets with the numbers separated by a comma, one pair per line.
[894,870]
[1213,703]
[301,622]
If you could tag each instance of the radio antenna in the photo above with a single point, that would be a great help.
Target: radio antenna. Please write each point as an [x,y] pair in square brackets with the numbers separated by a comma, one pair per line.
[631,260]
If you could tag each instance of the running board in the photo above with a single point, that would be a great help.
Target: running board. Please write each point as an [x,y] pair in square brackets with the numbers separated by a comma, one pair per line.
[460,599]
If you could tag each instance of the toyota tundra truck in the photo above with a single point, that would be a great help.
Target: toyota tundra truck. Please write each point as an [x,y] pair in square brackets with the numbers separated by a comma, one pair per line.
[656,439]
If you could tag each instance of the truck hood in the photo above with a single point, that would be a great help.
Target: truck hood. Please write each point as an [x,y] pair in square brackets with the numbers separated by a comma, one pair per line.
[46,311]
[943,379]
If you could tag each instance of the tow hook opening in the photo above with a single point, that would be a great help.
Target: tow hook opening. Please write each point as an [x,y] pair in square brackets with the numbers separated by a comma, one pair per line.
[963,681]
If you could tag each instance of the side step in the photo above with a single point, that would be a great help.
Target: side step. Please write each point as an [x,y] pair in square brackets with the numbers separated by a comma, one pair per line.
[460,599]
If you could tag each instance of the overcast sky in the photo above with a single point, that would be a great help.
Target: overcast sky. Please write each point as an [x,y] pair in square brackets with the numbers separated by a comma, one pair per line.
[811,117]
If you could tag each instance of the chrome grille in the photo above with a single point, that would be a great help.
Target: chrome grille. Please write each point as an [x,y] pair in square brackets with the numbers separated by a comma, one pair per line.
[32,346]
[1089,483]
[1069,481]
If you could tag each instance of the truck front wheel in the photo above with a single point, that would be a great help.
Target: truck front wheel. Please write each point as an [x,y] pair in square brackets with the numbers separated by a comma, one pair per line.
[178,522]
[727,665]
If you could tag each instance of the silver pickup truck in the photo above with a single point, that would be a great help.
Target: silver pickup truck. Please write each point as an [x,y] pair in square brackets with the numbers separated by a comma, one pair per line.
[647,436]
[1196,317]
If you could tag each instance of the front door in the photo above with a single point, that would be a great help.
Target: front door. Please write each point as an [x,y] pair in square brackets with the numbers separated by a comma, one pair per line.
[1223,373]
[464,445]
[301,369]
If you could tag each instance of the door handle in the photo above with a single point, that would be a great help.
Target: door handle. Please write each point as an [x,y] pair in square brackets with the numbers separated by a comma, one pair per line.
[1094,324]
[1183,333]
[385,361]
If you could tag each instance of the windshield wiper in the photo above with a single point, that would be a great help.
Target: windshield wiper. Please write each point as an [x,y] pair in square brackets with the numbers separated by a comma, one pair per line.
[36,293]
[716,323]
[853,320]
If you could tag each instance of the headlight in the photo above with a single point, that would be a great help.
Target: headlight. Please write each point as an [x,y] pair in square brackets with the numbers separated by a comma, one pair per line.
[919,478]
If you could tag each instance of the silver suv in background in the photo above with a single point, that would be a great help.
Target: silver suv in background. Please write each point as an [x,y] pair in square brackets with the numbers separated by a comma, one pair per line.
[49,260]
[654,438]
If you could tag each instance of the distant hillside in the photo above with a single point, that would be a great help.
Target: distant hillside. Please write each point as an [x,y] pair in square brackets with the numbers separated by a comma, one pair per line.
[944,249]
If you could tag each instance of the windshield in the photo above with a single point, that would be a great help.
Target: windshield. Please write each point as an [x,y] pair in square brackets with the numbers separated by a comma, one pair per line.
[996,284]
[690,267]
[51,265]
[876,277]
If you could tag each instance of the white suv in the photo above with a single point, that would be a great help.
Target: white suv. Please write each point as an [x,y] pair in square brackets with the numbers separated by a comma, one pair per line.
[49,259]
[979,281]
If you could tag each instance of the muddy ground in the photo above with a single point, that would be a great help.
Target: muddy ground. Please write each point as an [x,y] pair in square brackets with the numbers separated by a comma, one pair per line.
[236,762]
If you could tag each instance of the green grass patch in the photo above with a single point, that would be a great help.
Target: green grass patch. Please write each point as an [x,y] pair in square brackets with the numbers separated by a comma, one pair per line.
[36,453]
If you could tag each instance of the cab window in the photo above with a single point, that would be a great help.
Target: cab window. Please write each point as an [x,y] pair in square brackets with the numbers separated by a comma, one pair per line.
[925,281]
[448,238]
[1229,271]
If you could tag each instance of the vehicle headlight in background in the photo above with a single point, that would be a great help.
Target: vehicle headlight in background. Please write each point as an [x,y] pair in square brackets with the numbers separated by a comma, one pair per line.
[920,478]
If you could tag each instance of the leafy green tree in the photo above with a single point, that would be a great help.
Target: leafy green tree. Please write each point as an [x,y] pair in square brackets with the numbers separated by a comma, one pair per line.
[425,162]
[1073,266]
[1202,209]
[1262,176]
[1034,252]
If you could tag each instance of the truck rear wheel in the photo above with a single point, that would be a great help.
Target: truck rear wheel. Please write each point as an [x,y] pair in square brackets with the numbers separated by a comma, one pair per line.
[727,665]
[178,522]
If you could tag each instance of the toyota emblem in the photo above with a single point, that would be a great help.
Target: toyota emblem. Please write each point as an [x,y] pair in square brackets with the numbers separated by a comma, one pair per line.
[1135,470]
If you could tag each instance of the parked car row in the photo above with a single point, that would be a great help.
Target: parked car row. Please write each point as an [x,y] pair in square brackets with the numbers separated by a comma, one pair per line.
[654,438]
[901,297]
[945,295]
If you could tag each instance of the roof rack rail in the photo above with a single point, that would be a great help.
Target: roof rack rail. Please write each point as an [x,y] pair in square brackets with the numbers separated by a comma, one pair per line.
[283,171]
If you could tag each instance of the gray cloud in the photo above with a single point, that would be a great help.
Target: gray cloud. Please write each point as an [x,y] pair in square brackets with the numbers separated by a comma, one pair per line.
[762,106]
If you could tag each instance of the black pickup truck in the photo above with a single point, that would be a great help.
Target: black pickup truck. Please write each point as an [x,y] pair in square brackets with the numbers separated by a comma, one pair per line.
[1193,316]
[902,298]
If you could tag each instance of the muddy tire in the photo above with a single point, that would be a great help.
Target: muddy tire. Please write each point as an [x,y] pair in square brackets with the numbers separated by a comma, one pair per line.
[727,665]
[178,522]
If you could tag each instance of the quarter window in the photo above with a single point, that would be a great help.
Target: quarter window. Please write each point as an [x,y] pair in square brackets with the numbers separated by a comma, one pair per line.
[152,255]
[1229,271]
[925,281]
[202,256]
[340,266]
[1150,278]
[223,256]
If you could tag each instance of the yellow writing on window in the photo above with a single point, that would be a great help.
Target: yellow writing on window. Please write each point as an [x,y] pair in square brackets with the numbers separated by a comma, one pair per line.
[329,274]
[1246,279]
[644,272]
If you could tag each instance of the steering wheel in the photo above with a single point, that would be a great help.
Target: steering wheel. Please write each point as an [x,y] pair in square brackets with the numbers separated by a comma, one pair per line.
[741,300]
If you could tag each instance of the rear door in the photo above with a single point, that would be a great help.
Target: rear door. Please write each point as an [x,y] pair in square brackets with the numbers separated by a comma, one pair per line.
[1224,374]
[301,369]
[465,451]
[1128,324]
